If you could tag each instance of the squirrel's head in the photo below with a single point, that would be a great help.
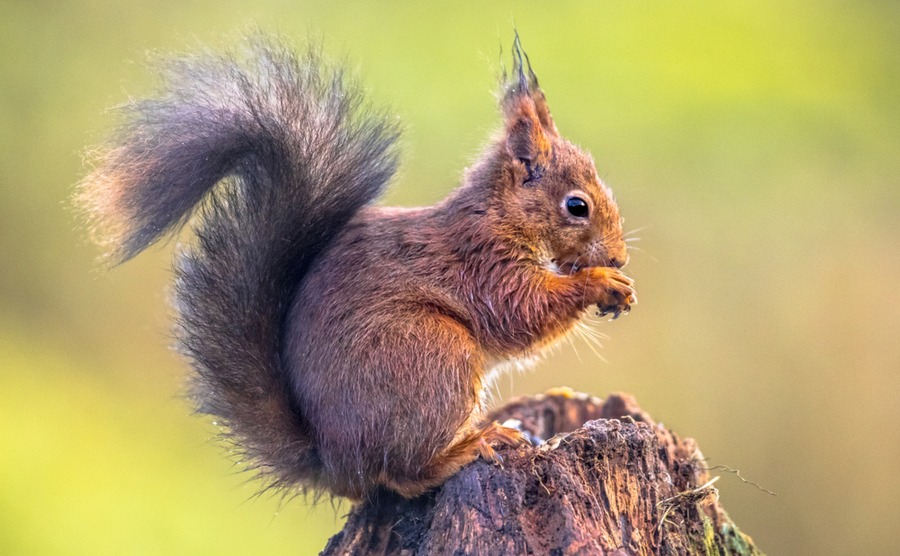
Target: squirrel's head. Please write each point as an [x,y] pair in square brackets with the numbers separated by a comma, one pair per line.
[546,194]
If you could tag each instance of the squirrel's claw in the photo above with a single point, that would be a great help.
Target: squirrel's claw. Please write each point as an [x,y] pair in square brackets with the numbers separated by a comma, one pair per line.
[620,298]
[496,434]
[516,424]
[616,310]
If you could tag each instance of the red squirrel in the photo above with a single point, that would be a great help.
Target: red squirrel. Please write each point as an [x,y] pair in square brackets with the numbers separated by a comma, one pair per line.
[346,346]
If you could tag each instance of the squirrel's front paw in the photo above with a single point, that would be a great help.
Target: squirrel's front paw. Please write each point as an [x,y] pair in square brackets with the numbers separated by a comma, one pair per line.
[618,296]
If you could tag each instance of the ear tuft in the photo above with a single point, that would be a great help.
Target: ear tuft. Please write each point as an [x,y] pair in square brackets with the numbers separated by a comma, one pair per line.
[523,98]
[528,122]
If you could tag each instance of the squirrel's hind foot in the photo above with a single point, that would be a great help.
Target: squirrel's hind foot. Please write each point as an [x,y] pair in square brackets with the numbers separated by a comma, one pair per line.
[477,443]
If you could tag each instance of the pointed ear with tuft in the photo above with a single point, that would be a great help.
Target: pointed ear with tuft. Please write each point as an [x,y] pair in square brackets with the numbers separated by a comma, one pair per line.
[526,138]
[543,110]
[529,127]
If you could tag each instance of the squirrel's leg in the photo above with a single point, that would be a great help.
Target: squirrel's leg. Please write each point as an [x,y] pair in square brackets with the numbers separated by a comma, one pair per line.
[557,301]
[479,442]
[424,374]
[606,287]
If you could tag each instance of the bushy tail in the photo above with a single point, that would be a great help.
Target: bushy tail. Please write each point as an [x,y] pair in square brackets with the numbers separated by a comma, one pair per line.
[275,154]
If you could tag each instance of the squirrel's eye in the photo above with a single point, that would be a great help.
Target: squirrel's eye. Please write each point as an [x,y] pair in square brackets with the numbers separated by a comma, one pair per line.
[577,207]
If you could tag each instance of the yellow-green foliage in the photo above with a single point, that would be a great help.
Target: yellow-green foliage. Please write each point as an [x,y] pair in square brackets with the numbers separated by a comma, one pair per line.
[756,144]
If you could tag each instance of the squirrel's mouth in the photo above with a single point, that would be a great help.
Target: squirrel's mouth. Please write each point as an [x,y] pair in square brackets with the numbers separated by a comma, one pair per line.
[567,268]
[570,267]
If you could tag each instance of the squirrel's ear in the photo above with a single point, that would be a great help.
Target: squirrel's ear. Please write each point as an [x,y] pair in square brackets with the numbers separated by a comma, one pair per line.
[529,126]
[525,136]
[543,110]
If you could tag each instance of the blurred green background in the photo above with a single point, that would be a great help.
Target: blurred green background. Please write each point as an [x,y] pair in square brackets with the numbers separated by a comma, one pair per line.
[757,145]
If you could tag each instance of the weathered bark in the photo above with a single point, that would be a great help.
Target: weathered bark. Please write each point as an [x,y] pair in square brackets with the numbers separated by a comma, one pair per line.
[607,481]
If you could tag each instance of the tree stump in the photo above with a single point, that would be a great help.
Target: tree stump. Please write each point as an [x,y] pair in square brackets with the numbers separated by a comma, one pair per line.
[607,480]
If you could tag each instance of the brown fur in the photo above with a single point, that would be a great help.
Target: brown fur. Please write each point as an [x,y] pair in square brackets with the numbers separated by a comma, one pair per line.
[347,347]
[393,331]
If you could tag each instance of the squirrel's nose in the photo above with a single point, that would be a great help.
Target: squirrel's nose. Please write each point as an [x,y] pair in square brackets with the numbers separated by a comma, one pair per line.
[619,260]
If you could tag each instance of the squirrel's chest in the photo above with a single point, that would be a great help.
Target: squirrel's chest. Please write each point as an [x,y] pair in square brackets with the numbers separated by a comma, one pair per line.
[527,359]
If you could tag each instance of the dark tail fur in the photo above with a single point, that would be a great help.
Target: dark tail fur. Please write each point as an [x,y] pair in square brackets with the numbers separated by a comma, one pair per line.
[299,156]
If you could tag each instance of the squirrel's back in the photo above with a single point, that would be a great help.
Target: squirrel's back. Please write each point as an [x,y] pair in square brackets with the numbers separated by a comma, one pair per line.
[275,154]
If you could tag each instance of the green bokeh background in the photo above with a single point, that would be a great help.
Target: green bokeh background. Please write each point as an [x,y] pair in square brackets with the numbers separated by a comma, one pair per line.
[757,145]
